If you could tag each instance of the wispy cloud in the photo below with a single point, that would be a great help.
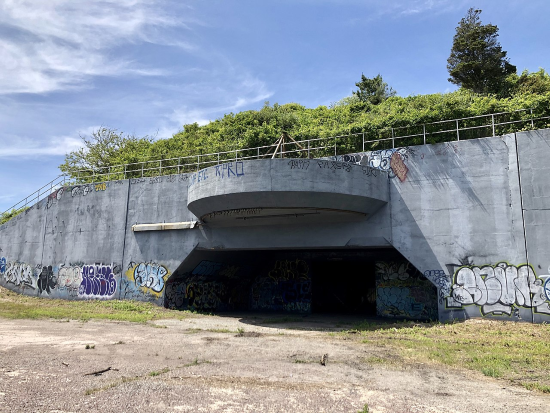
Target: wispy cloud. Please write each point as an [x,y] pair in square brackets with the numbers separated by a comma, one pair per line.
[244,91]
[59,44]
[26,147]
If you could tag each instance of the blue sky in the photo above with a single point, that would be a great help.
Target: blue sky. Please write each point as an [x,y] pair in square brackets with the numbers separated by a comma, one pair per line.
[147,67]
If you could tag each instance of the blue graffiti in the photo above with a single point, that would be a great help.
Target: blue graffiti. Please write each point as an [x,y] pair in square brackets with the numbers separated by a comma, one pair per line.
[227,170]
[2,265]
[197,177]
[98,281]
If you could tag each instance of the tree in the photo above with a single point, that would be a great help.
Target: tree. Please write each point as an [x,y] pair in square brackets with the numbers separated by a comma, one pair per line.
[106,147]
[373,90]
[477,61]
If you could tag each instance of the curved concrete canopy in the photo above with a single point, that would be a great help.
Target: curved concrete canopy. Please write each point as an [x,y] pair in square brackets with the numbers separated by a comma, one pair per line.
[275,190]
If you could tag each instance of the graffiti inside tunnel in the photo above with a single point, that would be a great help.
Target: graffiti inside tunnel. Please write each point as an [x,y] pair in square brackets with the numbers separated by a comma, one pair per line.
[402,291]
[500,289]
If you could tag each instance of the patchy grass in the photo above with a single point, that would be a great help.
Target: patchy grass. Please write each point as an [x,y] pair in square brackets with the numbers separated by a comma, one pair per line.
[517,352]
[158,373]
[112,385]
[17,306]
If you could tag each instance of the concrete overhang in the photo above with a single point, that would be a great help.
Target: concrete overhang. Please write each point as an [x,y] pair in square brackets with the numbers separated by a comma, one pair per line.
[272,191]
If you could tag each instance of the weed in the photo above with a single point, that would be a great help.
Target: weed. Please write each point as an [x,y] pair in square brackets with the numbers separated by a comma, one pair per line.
[158,373]
[365,409]
[90,346]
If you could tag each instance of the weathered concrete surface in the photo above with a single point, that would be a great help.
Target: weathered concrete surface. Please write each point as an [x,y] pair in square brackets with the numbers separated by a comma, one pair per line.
[283,183]
[472,216]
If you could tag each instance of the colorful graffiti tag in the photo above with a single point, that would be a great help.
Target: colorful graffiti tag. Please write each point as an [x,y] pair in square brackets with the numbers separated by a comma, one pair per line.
[499,289]
[98,281]
[402,291]
[148,276]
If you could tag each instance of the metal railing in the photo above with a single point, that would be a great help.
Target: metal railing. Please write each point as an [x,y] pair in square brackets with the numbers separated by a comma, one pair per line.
[494,124]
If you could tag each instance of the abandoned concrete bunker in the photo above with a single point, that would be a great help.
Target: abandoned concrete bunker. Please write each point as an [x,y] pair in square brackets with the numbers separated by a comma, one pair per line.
[445,231]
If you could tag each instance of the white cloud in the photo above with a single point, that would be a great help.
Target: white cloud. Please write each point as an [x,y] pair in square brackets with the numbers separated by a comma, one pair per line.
[58,44]
[28,147]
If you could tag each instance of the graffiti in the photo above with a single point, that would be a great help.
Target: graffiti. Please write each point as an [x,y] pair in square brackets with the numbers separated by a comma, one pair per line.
[171,178]
[81,190]
[499,289]
[334,165]
[137,180]
[98,281]
[402,291]
[155,180]
[388,160]
[393,270]
[101,187]
[69,279]
[285,270]
[46,280]
[441,281]
[367,170]
[54,197]
[182,178]
[149,277]
[18,273]
[232,212]
[227,170]
[298,164]
[197,177]
[2,265]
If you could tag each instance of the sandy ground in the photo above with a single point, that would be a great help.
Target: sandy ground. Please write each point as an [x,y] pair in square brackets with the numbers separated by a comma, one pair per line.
[196,365]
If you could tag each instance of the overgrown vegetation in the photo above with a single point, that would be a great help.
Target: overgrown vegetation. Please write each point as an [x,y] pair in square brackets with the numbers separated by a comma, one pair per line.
[106,148]
[517,352]
[6,216]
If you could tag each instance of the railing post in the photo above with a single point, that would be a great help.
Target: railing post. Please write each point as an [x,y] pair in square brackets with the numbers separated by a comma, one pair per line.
[125,170]
[424,132]
[457,132]
[392,139]
[308,149]
[335,147]
[363,141]
[179,162]
[160,167]
[142,169]
[236,156]
[218,158]
[532,123]
[258,156]
[493,123]
[198,161]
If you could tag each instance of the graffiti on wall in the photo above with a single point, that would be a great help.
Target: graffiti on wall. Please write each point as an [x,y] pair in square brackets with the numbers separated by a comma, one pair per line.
[2,265]
[18,274]
[149,277]
[393,161]
[402,291]
[69,279]
[287,287]
[81,190]
[46,279]
[230,169]
[54,197]
[499,289]
[299,164]
[98,281]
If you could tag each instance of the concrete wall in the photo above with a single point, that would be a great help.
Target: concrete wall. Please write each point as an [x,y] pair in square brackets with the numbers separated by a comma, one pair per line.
[470,216]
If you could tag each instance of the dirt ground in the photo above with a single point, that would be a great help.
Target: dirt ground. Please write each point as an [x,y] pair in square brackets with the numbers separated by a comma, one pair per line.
[201,364]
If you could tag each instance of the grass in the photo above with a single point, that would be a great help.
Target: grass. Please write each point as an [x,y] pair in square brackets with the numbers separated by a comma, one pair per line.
[158,373]
[17,306]
[516,352]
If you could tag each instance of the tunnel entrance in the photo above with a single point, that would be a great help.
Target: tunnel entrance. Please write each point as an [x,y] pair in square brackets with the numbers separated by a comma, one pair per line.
[370,282]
